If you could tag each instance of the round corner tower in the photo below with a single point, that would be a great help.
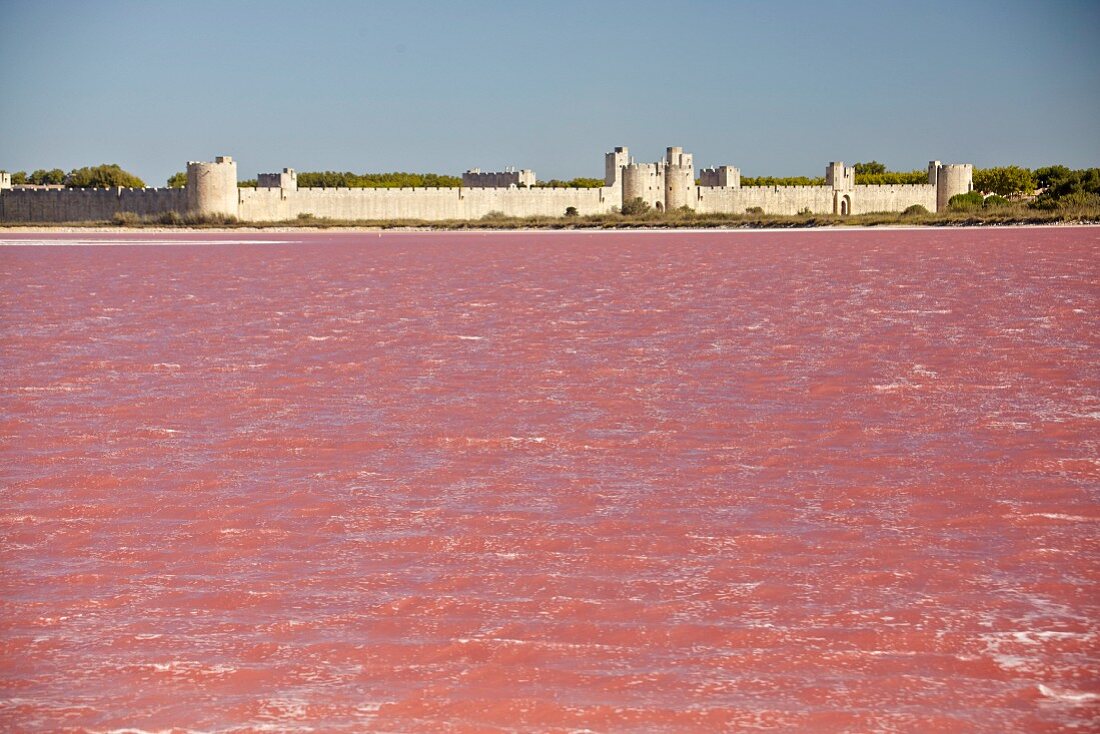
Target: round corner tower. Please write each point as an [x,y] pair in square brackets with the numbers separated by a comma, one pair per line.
[953,179]
[212,187]
[679,179]
[643,181]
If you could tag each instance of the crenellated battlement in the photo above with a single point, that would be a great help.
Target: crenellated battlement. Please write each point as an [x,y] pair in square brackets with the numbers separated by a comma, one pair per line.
[665,184]
[287,179]
[476,178]
[720,176]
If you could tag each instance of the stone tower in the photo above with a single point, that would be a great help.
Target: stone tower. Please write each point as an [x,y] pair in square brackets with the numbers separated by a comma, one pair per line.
[840,177]
[212,187]
[613,164]
[720,176]
[933,171]
[644,181]
[679,179]
[287,179]
[952,179]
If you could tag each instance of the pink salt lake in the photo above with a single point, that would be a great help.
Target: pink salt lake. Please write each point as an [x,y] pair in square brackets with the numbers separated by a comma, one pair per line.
[838,481]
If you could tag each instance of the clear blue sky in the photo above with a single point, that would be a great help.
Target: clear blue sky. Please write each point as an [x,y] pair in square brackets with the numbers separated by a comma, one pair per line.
[775,88]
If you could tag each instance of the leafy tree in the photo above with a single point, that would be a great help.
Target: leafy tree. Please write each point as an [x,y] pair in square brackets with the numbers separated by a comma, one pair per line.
[788,181]
[248,183]
[1004,180]
[870,167]
[42,177]
[575,183]
[19,178]
[1075,188]
[397,179]
[892,178]
[177,180]
[1050,176]
[635,206]
[102,177]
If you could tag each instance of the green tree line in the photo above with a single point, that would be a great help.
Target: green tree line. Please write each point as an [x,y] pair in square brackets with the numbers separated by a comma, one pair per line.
[103,176]
[349,180]
[397,179]
[1055,183]
[574,183]
[394,180]
[782,181]
[1065,187]
[887,178]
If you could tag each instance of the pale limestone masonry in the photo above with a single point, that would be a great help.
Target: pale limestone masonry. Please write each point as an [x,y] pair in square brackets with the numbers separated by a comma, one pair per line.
[86,205]
[839,176]
[273,205]
[212,188]
[952,179]
[475,178]
[720,176]
[679,179]
[287,179]
[5,180]
[645,181]
[667,184]
[613,164]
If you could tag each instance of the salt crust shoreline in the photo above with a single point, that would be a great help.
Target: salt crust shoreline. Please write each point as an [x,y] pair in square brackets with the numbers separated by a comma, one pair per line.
[107,230]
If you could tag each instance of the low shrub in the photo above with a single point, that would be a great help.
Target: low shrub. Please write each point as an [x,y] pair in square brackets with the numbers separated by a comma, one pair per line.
[635,206]
[966,202]
[1079,200]
[994,201]
[209,219]
[755,210]
[571,211]
[126,219]
[914,211]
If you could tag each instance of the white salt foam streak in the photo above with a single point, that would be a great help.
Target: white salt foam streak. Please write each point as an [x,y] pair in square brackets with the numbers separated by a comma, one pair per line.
[1059,516]
[68,242]
[1068,696]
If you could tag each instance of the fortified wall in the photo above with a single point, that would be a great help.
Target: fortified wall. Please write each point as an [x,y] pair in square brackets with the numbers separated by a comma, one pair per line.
[86,205]
[669,184]
[475,178]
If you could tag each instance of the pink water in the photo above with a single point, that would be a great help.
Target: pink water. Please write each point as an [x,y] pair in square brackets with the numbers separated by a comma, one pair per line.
[637,482]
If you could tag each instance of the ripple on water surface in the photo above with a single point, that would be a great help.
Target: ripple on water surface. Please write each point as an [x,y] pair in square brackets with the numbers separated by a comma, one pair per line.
[637,482]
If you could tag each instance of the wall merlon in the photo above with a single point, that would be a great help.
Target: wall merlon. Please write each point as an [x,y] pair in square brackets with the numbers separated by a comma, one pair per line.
[670,183]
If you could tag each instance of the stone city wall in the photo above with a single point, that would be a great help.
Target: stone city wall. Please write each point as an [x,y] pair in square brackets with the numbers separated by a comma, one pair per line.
[476,178]
[892,197]
[772,199]
[816,199]
[273,205]
[212,190]
[86,205]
